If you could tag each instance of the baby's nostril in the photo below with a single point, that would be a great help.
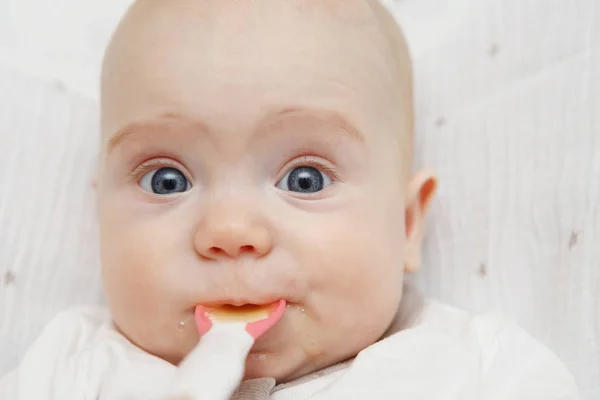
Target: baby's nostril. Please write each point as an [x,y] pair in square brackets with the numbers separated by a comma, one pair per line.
[216,251]
[220,252]
[247,249]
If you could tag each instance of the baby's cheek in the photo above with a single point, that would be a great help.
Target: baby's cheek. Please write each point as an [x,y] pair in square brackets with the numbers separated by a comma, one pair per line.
[137,288]
[128,264]
[354,262]
[358,274]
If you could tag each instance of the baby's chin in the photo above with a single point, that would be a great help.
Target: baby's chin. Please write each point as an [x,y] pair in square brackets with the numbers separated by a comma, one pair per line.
[275,357]
[293,361]
[267,365]
[283,366]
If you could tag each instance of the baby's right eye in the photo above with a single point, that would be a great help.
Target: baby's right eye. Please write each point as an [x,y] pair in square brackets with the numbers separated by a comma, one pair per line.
[165,181]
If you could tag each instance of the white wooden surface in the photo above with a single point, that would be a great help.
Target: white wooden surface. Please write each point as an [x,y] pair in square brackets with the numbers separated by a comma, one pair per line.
[508,111]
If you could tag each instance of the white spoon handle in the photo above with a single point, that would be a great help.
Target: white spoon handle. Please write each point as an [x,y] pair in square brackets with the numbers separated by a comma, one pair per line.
[215,368]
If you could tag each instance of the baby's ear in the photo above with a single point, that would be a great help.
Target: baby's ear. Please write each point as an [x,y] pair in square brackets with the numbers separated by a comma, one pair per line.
[421,190]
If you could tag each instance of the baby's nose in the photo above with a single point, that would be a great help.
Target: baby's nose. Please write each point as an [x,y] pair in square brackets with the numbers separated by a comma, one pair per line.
[232,235]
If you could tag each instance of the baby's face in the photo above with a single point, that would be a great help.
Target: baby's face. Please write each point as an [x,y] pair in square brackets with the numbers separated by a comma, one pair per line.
[250,153]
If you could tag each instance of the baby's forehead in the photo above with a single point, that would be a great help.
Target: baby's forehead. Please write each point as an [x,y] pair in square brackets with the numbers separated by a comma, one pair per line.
[204,33]
[338,10]
[169,45]
[367,18]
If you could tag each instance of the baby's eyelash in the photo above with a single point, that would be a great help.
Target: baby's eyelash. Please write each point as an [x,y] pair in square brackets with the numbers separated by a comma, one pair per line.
[307,161]
[150,165]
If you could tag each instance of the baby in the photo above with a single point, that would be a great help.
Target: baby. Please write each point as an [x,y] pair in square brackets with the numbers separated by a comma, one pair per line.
[261,150]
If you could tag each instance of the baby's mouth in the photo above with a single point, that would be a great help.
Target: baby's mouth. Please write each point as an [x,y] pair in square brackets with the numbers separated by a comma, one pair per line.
[258,318]
[245,313]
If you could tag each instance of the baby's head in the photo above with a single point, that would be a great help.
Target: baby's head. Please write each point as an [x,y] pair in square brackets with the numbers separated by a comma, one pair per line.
[252,151]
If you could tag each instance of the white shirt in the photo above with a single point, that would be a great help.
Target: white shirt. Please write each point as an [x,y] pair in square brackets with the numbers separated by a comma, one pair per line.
[445,355]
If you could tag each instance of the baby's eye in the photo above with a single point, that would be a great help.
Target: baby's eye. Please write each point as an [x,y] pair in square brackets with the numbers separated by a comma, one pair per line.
[165,181]
[304,180]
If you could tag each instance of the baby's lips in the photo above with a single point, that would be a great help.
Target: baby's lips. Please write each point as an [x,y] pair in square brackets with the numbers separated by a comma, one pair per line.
[255,328]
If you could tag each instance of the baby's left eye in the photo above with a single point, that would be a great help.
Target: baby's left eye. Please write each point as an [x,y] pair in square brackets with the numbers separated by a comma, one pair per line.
[165,181]
[304,180]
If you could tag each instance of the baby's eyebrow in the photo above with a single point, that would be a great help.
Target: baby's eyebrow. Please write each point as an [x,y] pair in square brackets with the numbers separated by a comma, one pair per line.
[325,116]
[273,117]
[160,122]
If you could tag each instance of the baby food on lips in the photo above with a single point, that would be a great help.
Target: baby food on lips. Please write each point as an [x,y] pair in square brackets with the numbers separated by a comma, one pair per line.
[258,318]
